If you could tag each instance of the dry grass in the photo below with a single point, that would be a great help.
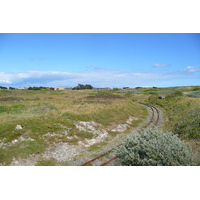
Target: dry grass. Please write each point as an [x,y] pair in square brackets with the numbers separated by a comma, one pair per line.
[55,112]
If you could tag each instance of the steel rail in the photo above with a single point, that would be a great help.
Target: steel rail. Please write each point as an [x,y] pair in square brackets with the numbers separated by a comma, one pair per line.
[145,126]
[152,118]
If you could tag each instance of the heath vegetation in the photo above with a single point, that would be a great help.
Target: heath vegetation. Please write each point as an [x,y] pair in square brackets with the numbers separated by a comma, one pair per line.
[180,107]
[47,117]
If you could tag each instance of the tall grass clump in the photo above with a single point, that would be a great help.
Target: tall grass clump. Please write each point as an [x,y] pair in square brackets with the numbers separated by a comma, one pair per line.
[189,126]
[152,147]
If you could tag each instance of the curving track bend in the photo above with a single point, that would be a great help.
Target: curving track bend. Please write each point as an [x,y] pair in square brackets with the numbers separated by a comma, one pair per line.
[107,157]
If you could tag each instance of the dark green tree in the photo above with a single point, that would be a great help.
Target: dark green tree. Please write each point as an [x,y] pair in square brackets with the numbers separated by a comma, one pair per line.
[82,87]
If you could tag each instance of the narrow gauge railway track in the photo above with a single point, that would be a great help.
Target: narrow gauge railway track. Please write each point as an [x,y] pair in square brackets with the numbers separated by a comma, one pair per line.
[153,121]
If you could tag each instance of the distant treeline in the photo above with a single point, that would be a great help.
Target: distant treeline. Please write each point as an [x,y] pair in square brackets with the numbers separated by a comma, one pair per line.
[82,87]
[4,88]
[29,88]
[40,88]
[1,87]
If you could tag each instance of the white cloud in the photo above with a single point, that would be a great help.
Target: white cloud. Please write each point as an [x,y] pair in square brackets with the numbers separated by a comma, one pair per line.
[2,81]
[97,78]
[109,78]
[144,75]
[191,69]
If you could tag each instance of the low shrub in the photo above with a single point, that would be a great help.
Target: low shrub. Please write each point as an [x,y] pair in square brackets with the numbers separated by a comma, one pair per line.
[176,94]
[189,126]
[152,147]
[195,94]
[196,88]
[150,90]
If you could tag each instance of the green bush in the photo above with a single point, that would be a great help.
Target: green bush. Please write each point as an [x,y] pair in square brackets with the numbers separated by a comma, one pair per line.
[189,126]
[150,90]
[196,88]
[176,94]
[195,94]
[152,147]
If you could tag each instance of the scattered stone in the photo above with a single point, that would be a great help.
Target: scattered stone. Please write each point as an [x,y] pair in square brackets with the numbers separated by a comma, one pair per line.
[49,134]
[62,152]
[120,128]
[99,135]
[1,144]
[161,97]
[98,139]
[21,138]
[31,161]
[70,137]
[130,119]
[14,141]
[87,126]
[65,132]
[18,127]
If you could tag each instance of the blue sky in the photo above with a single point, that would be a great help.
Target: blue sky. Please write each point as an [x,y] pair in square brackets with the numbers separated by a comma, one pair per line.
[100,59]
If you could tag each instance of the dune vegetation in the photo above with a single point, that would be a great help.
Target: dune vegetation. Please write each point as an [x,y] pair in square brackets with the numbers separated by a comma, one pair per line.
[46,117]
[180,107]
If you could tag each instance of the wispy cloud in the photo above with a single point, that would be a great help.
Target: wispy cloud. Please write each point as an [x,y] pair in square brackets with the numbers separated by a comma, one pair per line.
[98,68]
[97,78]
[191,69]
[161,65]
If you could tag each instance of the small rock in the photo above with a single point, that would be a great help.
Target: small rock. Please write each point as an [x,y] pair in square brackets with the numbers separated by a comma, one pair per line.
[1,144]
[129,121]
[14,141]
[120,128]
[65,132]
[18,127]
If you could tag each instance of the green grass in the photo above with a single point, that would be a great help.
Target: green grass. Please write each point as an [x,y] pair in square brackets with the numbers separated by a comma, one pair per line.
[16,108]
[55,112]
[21,150]
[4,109]
[97,146]
[106,117]
[84,134]
[196,88]
[48,162]
[177,107]
[174,106]
[189,126]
